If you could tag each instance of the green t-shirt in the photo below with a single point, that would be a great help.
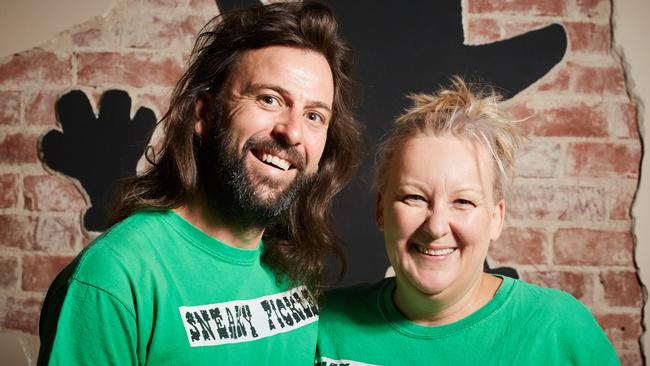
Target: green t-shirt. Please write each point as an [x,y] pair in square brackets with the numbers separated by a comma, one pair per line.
[522,325]
[156,290]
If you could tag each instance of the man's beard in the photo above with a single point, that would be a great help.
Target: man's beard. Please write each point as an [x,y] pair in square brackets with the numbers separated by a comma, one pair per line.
[234,193]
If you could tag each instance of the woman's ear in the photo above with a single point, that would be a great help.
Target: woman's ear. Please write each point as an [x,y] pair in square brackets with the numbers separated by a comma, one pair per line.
[498,215]
[379,212]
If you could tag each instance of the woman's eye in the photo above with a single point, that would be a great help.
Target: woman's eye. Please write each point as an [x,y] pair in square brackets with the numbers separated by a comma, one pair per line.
[414,199]
[464,202]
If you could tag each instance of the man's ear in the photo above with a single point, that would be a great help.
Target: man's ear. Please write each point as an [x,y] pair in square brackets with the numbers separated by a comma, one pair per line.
[498,215]
[379,212]
[200,117]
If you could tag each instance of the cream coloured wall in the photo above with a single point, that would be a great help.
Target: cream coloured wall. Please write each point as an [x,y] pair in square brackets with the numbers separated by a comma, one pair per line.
[26,23]
[631,29]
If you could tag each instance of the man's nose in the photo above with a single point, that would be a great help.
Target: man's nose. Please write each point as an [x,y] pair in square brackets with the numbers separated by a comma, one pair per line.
[289,127]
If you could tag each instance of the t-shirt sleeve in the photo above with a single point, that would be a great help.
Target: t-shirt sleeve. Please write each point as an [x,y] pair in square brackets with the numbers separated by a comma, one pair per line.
[93,328]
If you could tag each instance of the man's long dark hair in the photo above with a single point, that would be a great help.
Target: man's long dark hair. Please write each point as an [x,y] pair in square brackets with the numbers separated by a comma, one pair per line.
[297,243]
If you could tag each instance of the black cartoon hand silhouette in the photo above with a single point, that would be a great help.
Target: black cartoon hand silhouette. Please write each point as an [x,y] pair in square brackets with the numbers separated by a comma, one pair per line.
[98,151]
[415,46]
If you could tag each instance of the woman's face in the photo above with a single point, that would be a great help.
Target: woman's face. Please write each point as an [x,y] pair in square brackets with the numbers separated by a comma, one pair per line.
[438,214]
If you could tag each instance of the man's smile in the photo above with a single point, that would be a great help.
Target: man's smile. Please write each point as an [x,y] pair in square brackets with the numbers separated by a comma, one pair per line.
[273,159]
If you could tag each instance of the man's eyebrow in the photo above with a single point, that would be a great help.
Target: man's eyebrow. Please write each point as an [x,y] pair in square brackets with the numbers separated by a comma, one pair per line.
[284,92]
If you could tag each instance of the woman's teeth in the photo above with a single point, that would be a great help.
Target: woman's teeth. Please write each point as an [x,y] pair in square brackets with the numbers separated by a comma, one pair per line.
[275,161]
[435,252]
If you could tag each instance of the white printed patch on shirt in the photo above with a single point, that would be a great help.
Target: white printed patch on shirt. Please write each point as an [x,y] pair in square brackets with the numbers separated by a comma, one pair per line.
[324,361]
[248,320]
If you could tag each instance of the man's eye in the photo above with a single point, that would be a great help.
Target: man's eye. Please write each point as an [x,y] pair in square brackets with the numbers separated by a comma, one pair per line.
[269,100]
[315,117]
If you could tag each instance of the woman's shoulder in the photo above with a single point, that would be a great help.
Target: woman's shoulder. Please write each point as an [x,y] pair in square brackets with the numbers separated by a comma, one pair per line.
[536,296]
[551,306]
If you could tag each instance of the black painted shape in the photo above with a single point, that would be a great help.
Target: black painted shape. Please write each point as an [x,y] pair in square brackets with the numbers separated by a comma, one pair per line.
[504,271]
[230,5]
[415,46]
[98,151]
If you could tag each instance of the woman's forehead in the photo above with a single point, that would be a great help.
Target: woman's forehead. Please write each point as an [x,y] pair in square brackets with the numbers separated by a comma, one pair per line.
[450,158]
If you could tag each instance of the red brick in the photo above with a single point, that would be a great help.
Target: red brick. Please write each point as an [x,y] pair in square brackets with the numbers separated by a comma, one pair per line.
[623,120]
[538,160]
[594,8]
[22,314]
[52,193]
[631,358]
[513,29]
[587,37]
[157,103]
[56,234]
[622,288]
[8,276]
[39,271]
[9,107]
[598,80]
[520,246]
[590,159]
[577,119]
[40,108]
[557,80]
[557,203]
[519,110]
[623,330]
[17,231]
[36,67]
[8,190]
[96,33]
[157,32]
[592,247]
[134,69]
[578,284]
[208,5]
[18,148]
[622,197]
[481,30]
[519,7]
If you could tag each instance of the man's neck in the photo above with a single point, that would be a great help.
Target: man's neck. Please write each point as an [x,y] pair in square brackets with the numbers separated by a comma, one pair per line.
[228,231]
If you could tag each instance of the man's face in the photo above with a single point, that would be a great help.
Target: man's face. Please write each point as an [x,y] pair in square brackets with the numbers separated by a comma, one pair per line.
[278,105]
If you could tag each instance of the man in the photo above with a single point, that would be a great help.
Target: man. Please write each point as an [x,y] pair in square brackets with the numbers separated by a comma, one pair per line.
[218,245]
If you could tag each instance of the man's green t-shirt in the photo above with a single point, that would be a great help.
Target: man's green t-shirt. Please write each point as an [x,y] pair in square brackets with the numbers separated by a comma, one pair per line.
[522,325]
[156,290]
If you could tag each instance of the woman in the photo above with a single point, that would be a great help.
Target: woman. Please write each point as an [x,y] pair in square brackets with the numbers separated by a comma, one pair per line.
[441,179]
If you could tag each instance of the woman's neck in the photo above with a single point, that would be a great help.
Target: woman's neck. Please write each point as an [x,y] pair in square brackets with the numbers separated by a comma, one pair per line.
[445,308]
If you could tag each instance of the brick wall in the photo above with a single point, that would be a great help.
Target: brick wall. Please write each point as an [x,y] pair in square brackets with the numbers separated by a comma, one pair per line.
[141,47]
[569,222]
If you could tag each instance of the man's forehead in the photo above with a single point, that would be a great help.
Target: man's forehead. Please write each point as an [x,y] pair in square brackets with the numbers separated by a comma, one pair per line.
[297,70]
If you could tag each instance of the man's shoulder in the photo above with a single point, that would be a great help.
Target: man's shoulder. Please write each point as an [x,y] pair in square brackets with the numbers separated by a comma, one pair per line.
[122,245]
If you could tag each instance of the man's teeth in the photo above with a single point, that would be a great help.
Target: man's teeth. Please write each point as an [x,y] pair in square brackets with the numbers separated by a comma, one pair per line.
[272,159]
[435,252]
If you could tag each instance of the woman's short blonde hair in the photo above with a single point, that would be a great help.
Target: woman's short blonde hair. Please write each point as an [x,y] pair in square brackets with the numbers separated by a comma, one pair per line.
[464,111]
